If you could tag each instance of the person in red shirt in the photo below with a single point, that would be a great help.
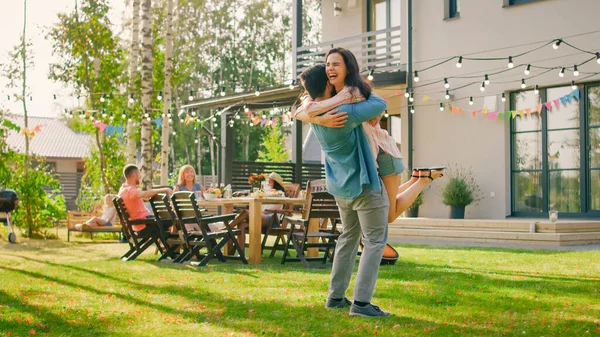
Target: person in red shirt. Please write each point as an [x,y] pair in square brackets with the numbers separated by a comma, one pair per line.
[133,196]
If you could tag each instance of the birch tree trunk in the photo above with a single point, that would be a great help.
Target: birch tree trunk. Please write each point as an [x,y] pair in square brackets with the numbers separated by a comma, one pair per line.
[147,94]
[211,149]
[133,64]
[27,162]
[164,154]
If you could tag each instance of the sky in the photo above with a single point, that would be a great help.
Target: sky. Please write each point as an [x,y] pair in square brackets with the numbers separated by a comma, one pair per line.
[41,14]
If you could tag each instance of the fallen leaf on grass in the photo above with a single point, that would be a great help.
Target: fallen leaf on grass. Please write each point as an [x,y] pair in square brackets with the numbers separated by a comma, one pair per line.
[32,332]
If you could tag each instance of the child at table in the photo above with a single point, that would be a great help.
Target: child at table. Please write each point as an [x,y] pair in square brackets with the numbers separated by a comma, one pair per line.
[108,217]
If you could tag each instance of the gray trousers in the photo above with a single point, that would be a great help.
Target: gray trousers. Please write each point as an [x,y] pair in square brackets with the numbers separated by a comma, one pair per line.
[368,215]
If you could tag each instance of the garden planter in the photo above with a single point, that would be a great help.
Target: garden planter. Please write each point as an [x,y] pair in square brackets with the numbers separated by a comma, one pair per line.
[412,212]
[457,212]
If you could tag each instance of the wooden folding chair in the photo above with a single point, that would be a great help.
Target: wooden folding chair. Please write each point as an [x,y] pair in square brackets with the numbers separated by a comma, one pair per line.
[140,240]
[187,211]
[125,230]
[166,219]
[322,205]
[279,227]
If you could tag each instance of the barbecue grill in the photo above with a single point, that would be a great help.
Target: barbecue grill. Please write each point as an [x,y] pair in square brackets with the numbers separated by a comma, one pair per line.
[8,202]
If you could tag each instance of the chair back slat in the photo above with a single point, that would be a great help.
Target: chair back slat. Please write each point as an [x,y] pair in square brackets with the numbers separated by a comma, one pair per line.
[322,205]
[187,211]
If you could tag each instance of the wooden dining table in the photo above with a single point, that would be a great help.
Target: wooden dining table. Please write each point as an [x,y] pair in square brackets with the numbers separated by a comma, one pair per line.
[255,217]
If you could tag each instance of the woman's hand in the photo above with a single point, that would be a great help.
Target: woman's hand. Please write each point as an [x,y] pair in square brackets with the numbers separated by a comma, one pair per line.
[375,120]
[332,119]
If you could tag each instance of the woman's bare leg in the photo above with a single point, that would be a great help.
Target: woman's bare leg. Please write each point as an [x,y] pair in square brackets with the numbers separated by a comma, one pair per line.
[405,199]
[409,183]
[241,222]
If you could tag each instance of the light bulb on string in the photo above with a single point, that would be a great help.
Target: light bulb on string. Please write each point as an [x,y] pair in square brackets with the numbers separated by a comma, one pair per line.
[523,85]
[130,120]
[598,57]
[482,88]
[214,137]
[441,106]
[386,115]
[111,117]
[246,109]
[103,98]
[527,70]
[264,116]
[370,77]
[459,62]
[159,97]
[216,125]
[503,97]
[257,92]
[104,113]
[411,98]
[131,101]
[196,141]
[416,79]
[406,93]
[149,119]
[447,96]
[292,85]
[170,121]
[446,84]
[562,72]
[573,85]
[222,91]
[169,115]
[471,100]
[510,62]
[194,113]
[237,117]
[174,133]
[30,98]
[123,115]
[191,97]
[575,71]
[486,79]
[412,109]
[214,119]
[556,44]
[536,90]
[54,96]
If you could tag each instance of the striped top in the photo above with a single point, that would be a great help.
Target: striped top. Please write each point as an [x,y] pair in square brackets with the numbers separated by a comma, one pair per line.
[378,138]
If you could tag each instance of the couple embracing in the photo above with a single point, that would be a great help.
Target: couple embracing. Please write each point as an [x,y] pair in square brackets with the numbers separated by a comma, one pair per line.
[363,167]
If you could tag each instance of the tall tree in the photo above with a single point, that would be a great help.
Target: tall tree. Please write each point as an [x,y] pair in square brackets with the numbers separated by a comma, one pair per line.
[147,86]
[134,55]
[164,155]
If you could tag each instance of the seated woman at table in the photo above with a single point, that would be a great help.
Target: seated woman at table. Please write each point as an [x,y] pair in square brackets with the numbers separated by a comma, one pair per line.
[187,181]
[241,221]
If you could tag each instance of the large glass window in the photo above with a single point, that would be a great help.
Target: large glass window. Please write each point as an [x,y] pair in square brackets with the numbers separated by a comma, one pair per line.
[385,14]
[556,155]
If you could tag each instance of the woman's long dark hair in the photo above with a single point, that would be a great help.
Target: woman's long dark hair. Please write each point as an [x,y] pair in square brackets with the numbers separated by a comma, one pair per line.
[353,78]
[278,186]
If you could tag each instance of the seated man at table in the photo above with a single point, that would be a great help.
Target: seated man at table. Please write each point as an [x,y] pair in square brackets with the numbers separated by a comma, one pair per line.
[133,196]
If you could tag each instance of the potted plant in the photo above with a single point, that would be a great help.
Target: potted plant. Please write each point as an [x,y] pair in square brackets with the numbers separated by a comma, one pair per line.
[256,179]
[413,210]
[460,191]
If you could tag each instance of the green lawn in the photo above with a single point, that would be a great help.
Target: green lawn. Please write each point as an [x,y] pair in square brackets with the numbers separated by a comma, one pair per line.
[56,288]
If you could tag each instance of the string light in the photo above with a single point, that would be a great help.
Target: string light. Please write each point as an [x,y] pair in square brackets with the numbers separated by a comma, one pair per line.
[406,93]
[130,120]
[169,115]
[575,71]
[556,44]
[471,100]
[264,116]
[292,85]
[573,85]
[482,88]
[536,90]
[370,77]
[131,101]
[486,79]
[123,115]
[191,97]
[598,57]
[412,109]
[222,91]
[246,108]
[194,113]
[216,126]
[104,113]
[527,70]
[112,117]
[174,133]
[31,98]
[447,96]
[446,84]
[523,85]
[386,115]
[257,92]
[459,63]
[159,96]
[214,119]
[54,96]
[411,98]
[562,72]
[510,62]
[416,76]
[441,106]
[103,98]
[503,97]
[237,117]
[196,141]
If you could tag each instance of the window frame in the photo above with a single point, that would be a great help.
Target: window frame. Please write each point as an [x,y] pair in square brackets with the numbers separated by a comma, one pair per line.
[512,3]
[584,169]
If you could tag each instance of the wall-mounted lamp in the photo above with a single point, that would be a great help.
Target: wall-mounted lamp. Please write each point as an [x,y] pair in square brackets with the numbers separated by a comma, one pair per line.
[337,10]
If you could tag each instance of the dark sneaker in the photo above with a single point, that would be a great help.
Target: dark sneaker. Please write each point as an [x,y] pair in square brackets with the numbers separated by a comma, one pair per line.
[368,310]
[337,304]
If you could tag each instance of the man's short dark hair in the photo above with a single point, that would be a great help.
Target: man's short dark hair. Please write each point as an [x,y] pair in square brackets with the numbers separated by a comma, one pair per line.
[315,80]
[128,170]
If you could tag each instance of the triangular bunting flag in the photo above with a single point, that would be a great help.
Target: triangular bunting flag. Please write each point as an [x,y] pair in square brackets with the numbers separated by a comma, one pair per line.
[569,97]
[453,110]
[514,114]
[187,120]
[495,115]
[576,94]
[474,113]
[158,121]
[459,111]
[528,112]
[564,100]
[521,113]
[484,111]
[501,115]
[557,103]
[548,106]
[425,98]
[490,116]
[539,109]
